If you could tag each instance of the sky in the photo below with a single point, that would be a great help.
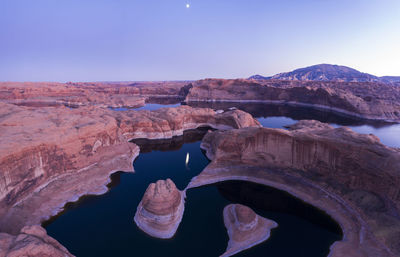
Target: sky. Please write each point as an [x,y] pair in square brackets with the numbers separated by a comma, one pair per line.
[137,40]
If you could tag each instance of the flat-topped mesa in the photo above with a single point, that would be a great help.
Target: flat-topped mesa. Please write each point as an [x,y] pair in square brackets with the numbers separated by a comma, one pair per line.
[351,176]
[245,228]
[161,209]
[368,100]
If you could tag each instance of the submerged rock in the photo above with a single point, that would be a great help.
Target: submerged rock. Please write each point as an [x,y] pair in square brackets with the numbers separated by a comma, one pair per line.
[245,228]
[160,211]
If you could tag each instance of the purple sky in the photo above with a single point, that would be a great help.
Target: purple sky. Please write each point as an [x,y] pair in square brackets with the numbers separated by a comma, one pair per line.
[117,40]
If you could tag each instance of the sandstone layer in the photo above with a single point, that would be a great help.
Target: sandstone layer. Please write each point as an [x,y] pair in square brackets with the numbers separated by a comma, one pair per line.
[353,177]
[100,94]
[245,228]
[49,156]
[367,100]
[161,209]
[32,241]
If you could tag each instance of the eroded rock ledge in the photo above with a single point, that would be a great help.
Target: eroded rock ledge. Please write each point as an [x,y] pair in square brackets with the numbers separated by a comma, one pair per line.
[353,177]
[50,156]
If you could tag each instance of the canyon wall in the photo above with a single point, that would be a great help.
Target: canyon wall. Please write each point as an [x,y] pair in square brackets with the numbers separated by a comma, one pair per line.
[52,155]
[365,100]
[353,177]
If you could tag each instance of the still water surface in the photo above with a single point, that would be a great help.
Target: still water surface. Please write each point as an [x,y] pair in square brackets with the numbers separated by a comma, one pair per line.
[103,225]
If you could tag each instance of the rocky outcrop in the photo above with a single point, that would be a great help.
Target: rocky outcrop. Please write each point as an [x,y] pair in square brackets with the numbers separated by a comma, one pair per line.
[353,177]
[364,100]
[49,156]
[170,122]
[32,241]
[161,209]
[245,228]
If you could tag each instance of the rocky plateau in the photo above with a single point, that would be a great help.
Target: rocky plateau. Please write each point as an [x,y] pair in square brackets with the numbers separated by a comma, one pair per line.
[60,141]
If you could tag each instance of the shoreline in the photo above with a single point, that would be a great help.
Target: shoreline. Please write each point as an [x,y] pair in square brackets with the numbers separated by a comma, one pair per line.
[293,103]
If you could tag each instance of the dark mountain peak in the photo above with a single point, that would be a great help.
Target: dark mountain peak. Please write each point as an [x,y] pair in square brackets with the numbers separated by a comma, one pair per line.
[259,77]
[327,72]
[330,72]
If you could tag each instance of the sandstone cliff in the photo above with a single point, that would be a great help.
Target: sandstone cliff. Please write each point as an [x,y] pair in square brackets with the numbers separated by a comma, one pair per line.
[50,156]
[365,100]
[353,177]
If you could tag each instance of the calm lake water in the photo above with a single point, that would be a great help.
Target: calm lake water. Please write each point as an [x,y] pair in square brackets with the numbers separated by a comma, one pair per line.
[103,225]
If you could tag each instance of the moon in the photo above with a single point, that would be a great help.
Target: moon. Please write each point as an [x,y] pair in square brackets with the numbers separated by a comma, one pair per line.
[187,6]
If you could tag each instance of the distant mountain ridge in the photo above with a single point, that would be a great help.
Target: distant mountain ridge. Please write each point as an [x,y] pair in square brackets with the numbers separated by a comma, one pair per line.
[329,72]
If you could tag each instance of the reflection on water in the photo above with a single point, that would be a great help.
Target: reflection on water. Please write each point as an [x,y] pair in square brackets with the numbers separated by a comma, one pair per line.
[389,135]
[152,107]
[278,116]
[103,225]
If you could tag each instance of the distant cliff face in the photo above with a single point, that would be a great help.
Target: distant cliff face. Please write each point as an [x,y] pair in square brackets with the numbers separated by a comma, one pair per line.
[329,72]
[368,100]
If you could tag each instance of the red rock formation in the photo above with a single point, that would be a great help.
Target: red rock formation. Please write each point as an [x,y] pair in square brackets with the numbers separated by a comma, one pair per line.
[365,100]
[32,241]
[161,209]
[353,177]
[245,228]
[103,94]
[50,156]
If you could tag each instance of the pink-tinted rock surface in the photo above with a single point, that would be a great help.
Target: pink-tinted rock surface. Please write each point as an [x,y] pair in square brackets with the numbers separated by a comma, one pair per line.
[366,100]
[245,228]
[161,209]
[53,155]
[32,241]
[353,177]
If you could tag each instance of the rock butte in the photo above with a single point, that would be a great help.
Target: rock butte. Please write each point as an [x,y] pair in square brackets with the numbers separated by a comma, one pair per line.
[54,155]
[161,209]
[353,177]
[245,228]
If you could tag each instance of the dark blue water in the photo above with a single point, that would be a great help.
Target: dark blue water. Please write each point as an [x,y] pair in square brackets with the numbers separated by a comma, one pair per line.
[103,225]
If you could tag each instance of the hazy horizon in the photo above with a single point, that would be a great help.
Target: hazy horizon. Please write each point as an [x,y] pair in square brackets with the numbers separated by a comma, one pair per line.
[158,40]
